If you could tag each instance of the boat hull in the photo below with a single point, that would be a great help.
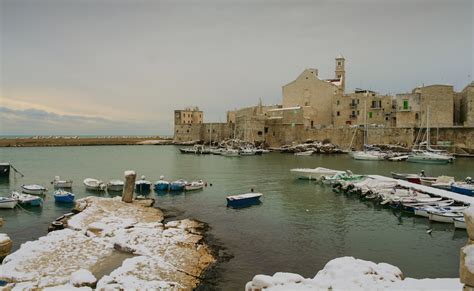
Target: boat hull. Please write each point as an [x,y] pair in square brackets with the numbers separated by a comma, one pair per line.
[193,188]
[62,184]
[317,174]
[462,190]
[176,187]
[8,203]
[33,191]
[142,187]
[64,198]
[162,187]
[243,202]
[115,188]
[422,160]
[441,217]
[459,223]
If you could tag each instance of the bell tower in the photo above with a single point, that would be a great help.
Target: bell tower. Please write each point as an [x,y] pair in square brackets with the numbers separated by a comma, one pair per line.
[341,72]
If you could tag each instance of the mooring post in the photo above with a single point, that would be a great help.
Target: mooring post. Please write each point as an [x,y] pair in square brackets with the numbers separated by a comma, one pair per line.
[127,194]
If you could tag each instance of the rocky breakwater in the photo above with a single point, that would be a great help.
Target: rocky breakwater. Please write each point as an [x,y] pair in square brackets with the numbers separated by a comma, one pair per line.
[314,146]
[111,244]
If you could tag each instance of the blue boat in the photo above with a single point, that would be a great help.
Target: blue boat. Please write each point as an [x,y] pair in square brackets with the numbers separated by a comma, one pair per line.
[162,185]
[243,199]
[463,188]
[142,185]
[62,196]
[27,199]
[178,185]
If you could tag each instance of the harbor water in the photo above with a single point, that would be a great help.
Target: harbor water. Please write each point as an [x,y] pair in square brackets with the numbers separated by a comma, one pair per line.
[298,227]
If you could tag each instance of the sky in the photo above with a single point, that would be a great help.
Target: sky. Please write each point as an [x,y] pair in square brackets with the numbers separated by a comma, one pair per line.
[121,66]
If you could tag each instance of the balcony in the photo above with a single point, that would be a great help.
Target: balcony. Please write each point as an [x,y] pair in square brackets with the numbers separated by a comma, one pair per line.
[375,107]
[353,105]
[404,109]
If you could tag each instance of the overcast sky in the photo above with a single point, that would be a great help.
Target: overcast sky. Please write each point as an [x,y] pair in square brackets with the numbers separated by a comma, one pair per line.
[122,67]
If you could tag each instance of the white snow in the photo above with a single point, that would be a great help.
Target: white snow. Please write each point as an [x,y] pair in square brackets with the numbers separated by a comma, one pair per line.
[82,277]
[348,273]
[469,259]
[4,238]
[129,172]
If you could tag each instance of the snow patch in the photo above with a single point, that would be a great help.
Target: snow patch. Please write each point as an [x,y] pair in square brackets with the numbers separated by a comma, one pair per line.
[82,277]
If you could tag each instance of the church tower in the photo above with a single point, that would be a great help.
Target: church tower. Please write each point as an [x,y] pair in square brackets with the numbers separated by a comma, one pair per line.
[341,72]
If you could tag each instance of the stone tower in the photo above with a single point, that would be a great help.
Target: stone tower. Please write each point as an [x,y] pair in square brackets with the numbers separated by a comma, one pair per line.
[341,72]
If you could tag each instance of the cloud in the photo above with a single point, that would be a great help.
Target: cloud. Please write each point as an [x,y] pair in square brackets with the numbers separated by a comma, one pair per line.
[33,121]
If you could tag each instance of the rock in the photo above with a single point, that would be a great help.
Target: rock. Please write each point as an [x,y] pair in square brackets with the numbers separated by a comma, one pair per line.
[469,218]
[466,268]
[83,277]
[5,245]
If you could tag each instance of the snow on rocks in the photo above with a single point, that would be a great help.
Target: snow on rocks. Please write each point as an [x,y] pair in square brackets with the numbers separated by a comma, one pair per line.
[348,273]
[165,256]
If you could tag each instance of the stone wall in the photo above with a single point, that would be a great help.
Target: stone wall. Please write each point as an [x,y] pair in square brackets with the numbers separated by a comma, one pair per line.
[440,99]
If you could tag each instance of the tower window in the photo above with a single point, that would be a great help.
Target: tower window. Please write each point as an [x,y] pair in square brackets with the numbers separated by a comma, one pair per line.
[337,102]
[338,63]
[338,113]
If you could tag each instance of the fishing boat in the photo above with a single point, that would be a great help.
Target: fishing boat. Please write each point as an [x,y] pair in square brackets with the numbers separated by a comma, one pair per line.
[58,183]
[428,181]
[62,196]
[216,151]
[94,184]
[27,199]
[243,199]
[368,155]
[115,185]
[459,222]
[142,185]
[195,185]
[247,152]
[446,217]
[230,153]
[313,174]
[463,188]
[33,189]
[196,149]
[8,202]
[305,153]
[162,185]
[178,185]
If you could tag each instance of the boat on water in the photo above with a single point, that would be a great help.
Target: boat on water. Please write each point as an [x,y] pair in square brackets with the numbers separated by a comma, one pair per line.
[115,185]
[94,184]
[426,157]
[34,189]
[313,174]
[4,169]
[8,202]
[305,153]
[463,188]
[459,222]
[427,181]
[413,178]
[27,199]
[247,152]
[243,199]
[230,153]
[178,185]
[162,185]
[445,217]
[195,185]
[368,155]
[62,196]
[58,183]
[216,151]
[196,149]
[142,185]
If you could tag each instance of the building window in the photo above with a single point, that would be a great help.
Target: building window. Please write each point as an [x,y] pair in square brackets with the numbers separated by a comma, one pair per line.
[259,133]
[358,112]
[187,130]
[416,116]
[405,104]
[337,102]
[306,104]
[213,130]
[370,114]
[338,63]
[208,130]
[357,101]
[338,113]
[312,123]
[266,129]
[273,133]
[177,131]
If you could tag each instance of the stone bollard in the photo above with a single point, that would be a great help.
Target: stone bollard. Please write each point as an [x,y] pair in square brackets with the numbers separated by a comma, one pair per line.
[127,194]
[5,245]
[466,268]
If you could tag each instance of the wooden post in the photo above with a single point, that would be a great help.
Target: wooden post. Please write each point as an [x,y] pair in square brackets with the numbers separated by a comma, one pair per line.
[127,194]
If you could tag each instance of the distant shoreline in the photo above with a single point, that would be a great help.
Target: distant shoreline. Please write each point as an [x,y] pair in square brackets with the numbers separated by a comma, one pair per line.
[53,141]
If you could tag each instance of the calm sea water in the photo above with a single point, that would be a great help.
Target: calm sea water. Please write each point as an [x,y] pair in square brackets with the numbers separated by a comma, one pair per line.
[299,227]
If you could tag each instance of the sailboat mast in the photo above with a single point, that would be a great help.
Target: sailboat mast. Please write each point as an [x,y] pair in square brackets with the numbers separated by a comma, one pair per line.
[428,127]
[366,134]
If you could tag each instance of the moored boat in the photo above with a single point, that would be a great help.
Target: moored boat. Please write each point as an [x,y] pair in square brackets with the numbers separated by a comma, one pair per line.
[195,185]
[243,199]
[33,189]
[62,196]
[58,183]
[178,185]
[368,155]
[446,217]
[230,153]
[27,199]
[427,157]
[305,153]
[8,202]
[115,185]
[247,152]
[142,185]
[463,188]
[459,222]
[162,185]
[314,174]
[94,184]
[4,169]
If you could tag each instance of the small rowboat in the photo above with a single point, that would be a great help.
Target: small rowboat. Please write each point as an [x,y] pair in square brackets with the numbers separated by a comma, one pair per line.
[196,185]
[446,217]
[94,184]
[8,203]
[27,199]
[243,199]
[314,174]
[162,185]
[142,185]
[115,185]
[305,153]
[460,223]
[62,196]
[33,189]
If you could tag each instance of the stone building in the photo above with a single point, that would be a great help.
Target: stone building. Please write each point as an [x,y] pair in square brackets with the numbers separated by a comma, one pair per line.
[411,108]
[315,95]
[349,109]
[466,105]
[187,124]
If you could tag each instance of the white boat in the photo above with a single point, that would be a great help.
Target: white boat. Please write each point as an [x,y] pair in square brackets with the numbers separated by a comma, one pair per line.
[446,217]
[243,199]
[195,185]
[58,183]
[230,153]
[115,185]
[216,151]
[8,203]
[27,199]
[305,153]
[33,189]
[368,155]
[459,222]
[314,174]
[247,152]
[427,157]
[94,184]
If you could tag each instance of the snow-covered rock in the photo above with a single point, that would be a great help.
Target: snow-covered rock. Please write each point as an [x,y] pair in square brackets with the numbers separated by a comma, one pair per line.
[348,273]
[82,277]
